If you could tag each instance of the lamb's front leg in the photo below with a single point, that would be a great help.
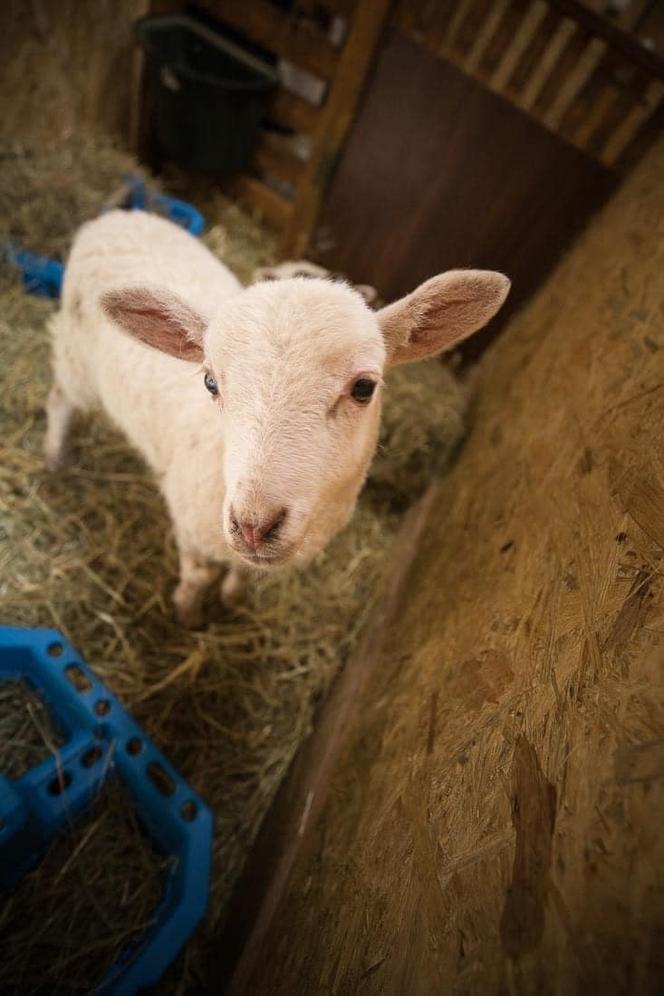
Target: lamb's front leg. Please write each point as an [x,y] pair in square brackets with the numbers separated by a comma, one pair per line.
[234,586]
[196,576]
[59,411]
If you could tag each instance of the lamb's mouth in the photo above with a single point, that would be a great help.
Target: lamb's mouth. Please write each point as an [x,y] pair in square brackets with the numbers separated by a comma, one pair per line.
[267,559]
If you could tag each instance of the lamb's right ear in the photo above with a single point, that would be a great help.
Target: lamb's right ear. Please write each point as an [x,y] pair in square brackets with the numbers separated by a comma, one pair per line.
[158,318]
[441,312]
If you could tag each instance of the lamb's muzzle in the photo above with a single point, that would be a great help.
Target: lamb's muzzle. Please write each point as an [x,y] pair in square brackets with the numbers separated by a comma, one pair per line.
[255,534]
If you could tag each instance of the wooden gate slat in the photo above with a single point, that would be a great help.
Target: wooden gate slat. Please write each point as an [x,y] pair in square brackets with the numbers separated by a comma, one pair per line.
[524,36]
[451,33]
[365,31]
[486,34]
[293,112]
[618,141]
[264,24]
[547,64]
[256,195]
[592,120]
[571,88]
[277,162]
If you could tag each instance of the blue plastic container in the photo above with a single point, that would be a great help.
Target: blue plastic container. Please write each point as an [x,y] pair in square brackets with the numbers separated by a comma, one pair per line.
[209,94]
[101,740]
[180,212]
[43,276]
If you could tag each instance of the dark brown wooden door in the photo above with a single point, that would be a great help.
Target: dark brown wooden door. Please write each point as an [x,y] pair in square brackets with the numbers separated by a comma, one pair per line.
[440,172]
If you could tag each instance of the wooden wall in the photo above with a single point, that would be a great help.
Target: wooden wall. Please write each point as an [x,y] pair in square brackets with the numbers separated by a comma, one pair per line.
[493,822]
[475,183]
[488,135]
[322,52]
[66,65]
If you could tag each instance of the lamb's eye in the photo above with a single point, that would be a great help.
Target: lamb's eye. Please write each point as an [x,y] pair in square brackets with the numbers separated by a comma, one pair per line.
[211,384]
[362,390]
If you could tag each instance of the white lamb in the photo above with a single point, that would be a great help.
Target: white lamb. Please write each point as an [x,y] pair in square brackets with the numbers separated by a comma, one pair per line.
[303,268]
[257,409]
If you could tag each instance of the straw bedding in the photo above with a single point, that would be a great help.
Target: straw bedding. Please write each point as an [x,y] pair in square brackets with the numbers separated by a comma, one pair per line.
[95,891]
[89,551]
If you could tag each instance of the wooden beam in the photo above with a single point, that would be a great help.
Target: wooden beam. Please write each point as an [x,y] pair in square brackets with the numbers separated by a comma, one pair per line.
[140,109]
[574,82]
[546,64]
[522,39]
[273,161]
[619,140]
[449,37]
[604,103]
[344,8]
[644,137]
[356,59]
[137,100]
[291,111]
[485,35]
[615,37]
[257,196]
[264,24]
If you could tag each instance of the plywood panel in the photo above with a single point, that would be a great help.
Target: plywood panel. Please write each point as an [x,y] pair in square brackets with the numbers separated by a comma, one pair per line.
[494,821]
[475,184]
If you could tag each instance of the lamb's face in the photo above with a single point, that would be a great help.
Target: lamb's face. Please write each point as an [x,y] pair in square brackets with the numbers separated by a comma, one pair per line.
[297,367]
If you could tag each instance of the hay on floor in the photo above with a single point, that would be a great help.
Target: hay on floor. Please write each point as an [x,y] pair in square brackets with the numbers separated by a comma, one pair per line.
[27,733]
[46,194]
[84,551]
[51,946]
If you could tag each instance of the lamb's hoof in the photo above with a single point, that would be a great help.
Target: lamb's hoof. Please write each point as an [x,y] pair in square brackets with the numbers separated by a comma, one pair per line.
[189,616]
[54,461]
[233,591]
[189,619]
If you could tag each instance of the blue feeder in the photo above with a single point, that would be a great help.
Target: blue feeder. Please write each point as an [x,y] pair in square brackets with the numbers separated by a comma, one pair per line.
[180,212]
[43,276]
[101,739]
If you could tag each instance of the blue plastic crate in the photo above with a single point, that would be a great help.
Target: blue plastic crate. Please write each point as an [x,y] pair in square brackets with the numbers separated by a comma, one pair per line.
[101,739]
[141,198]
[43,276]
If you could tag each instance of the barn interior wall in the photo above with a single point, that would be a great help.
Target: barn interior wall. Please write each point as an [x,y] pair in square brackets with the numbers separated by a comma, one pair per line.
[493,822]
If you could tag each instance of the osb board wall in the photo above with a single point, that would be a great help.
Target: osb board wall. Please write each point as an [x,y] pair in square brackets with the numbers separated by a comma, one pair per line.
[495,822]
[66,65]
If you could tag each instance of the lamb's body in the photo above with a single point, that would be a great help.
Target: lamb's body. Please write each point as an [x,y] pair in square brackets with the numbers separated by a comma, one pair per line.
[265,467]
[155,399]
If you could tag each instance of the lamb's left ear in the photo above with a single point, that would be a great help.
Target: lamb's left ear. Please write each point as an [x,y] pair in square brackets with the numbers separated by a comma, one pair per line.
[158,318]
[441,312]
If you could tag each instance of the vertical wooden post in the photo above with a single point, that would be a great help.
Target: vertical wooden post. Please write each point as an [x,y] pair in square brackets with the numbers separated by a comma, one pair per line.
[137,92]
[365,31]
[138,109]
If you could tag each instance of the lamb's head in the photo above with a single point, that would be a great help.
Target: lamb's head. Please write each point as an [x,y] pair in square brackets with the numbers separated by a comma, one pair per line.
[295,369]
